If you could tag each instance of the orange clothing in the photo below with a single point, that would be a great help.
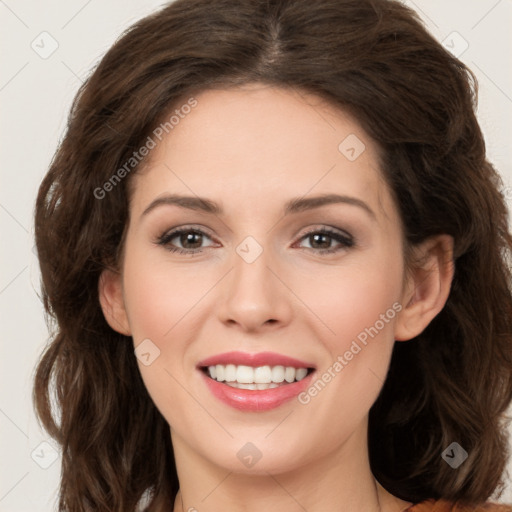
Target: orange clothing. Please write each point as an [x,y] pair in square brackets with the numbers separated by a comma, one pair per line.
[432,505]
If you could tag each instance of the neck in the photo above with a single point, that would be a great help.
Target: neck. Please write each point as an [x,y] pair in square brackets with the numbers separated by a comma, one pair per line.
[340,481]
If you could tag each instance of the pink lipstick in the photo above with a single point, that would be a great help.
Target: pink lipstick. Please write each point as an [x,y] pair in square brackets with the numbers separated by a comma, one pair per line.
[258,359]
[255,382]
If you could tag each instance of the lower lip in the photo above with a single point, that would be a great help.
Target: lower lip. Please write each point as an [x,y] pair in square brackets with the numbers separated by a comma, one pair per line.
[256,400]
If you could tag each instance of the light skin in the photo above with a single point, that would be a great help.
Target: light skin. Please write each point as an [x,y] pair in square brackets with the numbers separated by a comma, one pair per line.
[251,150]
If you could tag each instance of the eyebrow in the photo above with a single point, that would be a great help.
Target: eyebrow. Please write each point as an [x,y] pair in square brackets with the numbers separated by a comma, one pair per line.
[296,205]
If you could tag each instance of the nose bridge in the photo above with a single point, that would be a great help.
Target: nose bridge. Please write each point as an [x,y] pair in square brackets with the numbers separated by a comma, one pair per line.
[253,295]
[251,276]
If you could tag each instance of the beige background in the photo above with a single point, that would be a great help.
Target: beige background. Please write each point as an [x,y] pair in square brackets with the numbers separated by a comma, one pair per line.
[35,96]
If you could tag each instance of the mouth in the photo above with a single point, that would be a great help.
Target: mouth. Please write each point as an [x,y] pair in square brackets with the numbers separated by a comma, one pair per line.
[255,382]
[255,378]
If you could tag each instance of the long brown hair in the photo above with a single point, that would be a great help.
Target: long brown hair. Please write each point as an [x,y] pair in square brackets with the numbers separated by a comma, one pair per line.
[372,58]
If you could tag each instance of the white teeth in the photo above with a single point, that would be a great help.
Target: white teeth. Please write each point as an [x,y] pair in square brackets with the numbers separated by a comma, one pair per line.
[278,374]
[244,374]
[252,386]
[265,376]
[289,374]
[230,373]
[301,373]
[219,370]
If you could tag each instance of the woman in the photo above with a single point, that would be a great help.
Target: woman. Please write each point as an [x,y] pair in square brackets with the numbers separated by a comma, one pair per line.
[337,335]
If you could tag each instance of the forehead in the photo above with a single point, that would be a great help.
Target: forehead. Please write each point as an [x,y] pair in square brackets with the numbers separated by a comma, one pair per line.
[260,144]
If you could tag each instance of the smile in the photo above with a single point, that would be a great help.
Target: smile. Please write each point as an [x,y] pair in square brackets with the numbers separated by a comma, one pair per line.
[255,382]
[259,378]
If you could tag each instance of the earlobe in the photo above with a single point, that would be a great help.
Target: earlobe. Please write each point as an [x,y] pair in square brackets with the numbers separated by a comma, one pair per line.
[110,293]
[427,288]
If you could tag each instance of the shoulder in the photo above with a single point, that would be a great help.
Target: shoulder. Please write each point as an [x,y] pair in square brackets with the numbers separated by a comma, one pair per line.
[432,505]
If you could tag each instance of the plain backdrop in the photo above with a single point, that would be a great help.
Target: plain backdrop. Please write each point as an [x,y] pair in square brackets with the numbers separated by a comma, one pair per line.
[48,47]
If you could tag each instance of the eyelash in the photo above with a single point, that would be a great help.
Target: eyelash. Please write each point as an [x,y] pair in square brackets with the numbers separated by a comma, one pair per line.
[165,238]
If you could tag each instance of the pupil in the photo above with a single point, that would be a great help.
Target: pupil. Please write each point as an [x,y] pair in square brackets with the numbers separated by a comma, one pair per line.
[319,235]
[189,238]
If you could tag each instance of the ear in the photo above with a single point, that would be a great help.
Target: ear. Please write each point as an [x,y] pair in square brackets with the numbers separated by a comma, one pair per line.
[110,291]
[427,287]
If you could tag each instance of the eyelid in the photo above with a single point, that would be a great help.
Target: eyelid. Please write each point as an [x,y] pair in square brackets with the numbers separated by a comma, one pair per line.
[177,230]
[344,239]
[202,229]
[324,228]
[188,227]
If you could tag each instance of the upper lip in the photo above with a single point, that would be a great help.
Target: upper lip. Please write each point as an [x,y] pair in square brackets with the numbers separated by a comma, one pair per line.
[255,360]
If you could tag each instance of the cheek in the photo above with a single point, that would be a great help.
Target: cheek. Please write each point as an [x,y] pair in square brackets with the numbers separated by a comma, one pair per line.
[360,311]
[159,296]
[160,302]
[352,299]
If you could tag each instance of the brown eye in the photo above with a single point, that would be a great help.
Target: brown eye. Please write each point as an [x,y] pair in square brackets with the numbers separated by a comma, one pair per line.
[321,240]
[193,238]
[184,240]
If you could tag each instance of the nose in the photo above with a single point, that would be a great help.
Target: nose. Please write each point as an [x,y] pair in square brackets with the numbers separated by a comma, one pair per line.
[253,296]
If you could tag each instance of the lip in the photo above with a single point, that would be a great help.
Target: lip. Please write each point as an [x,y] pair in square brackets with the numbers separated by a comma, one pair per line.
[255,360]
[252,400]
[255,400]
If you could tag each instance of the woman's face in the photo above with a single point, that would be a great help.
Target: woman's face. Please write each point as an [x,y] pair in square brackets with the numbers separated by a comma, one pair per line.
[253,273]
